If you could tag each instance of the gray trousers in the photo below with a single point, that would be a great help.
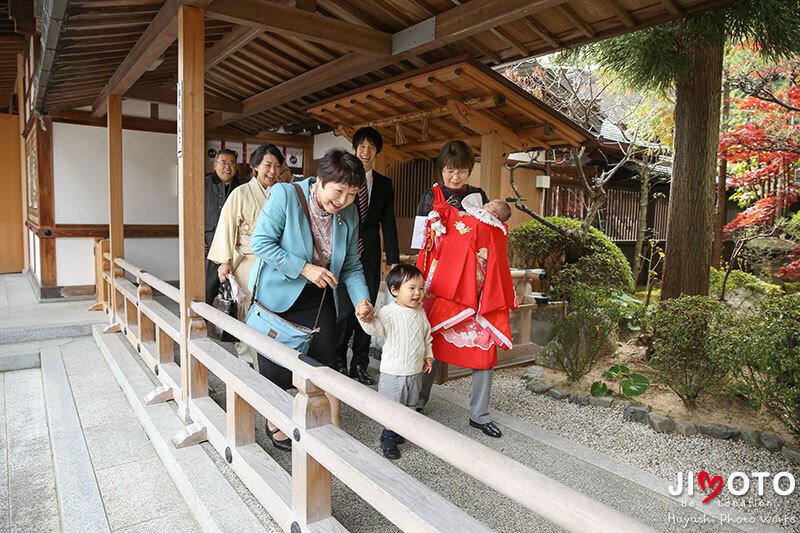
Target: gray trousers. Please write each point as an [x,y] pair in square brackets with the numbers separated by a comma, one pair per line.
[481,391]
[402,389]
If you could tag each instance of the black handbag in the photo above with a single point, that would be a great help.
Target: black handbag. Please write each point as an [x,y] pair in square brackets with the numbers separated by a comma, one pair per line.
[225,302]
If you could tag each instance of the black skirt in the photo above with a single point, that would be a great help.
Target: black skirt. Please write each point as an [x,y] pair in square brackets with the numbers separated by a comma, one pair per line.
[323,345]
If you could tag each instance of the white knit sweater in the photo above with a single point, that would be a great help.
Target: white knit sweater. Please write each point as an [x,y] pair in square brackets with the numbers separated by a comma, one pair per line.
[408,338]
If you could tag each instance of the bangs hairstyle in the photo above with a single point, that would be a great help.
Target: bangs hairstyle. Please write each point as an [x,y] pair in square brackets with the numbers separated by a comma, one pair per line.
[370,135]
[455,154]
[259,153]
[400,274]
[340,166]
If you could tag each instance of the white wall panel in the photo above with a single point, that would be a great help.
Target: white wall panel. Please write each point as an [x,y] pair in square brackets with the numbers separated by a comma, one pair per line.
[157,256]
[74,261]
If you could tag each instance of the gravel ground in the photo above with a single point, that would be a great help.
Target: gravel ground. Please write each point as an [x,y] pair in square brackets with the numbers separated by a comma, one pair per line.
[663,455]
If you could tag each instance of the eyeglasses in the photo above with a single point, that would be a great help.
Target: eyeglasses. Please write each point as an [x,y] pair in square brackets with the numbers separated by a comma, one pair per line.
[460,172]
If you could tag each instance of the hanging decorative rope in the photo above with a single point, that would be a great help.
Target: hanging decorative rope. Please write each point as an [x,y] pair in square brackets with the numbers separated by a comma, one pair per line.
[399,137]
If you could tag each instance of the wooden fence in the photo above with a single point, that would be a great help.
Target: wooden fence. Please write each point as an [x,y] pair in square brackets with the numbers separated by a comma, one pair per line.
[302,501]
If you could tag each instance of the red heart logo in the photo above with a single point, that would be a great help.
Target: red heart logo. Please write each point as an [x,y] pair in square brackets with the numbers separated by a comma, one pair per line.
[705,481]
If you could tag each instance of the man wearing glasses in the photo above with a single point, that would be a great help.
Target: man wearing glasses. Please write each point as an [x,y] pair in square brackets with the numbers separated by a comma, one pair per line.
[218,186]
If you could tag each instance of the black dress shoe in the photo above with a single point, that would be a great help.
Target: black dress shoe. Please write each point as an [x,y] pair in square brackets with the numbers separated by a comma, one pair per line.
[285,444]
[360,373]
[389,448]
[342,370]
[488,428]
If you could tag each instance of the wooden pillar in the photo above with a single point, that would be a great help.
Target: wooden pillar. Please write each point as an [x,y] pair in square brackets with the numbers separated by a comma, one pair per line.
[21,103]
[492,159]
[308,160]
[191,148]
[115,213]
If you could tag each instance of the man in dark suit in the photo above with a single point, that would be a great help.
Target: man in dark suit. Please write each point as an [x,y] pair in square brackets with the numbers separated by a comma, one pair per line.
[376,212]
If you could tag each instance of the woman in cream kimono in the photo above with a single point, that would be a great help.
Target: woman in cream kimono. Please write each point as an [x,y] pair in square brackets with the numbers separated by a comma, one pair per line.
[230,248]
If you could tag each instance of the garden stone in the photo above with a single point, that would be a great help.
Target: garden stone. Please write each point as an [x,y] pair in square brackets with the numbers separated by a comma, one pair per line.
[661,423]
[533,372]
[539,385]
[558,394]
[793,454]
[635,414]
[751,436]
[601,401]
[719,431]
[687,429]
[579,398]
[621,404]
[771,441]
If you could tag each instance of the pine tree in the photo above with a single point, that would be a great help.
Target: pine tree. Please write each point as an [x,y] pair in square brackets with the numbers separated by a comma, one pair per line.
[686,56]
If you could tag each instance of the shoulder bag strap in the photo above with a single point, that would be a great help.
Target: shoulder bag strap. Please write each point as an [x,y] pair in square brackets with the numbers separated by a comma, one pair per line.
[304,204]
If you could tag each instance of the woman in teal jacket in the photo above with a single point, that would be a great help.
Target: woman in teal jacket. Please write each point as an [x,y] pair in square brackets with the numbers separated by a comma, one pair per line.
[299,273]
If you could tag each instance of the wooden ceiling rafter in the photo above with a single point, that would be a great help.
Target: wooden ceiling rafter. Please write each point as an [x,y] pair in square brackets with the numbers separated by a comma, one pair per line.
[274,17]
[239,37]
[568,13]
[620,13]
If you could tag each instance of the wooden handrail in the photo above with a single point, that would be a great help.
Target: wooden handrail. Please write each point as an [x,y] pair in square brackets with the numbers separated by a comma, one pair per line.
[548,498]
[128,267]
[173,293]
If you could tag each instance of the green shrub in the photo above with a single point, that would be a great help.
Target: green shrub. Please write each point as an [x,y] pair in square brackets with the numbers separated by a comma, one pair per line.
[582,337]
[767,351]
[739,279]
[599,262]
[691,345]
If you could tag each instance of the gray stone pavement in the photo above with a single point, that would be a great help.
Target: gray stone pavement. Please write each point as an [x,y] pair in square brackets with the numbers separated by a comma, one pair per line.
[22,318]
[74,456]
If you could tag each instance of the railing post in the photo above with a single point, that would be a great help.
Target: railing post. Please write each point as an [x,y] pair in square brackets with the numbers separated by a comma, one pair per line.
[241,419]
[311,482]
[526,314]
[146,326]
[198,374]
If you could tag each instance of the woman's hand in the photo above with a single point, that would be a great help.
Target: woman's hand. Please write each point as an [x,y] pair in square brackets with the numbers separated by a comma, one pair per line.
[223,271]
[427,366]
[365,311]
[321,277]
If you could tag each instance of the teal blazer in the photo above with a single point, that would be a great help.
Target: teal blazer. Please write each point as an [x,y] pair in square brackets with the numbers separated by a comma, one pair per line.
[282,242]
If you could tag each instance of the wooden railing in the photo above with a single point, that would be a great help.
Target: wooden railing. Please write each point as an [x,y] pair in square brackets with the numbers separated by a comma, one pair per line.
[302,501]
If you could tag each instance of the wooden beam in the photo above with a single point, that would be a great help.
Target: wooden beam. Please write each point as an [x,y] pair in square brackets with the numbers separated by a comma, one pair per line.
[158,36]
[452,25]
[191,155]
[542,32]
[170,96]
[264,137]
[433,145]
[229,44]
[672,7]
[271,16]
[482,124]
[22,104]
[306,5]
[579,23]
[115,190]
[85,118]
[620,13]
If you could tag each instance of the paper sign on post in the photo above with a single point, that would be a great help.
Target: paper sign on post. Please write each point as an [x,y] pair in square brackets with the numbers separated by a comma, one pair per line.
[418,236]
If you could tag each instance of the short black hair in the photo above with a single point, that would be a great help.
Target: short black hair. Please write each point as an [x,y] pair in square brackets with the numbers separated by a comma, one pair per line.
[340,166]
[226,151]
[258,154]
[400,274]
[456,154]
[368,133]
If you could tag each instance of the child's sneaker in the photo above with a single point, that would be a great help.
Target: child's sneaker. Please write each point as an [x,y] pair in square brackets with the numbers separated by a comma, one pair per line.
[389,447]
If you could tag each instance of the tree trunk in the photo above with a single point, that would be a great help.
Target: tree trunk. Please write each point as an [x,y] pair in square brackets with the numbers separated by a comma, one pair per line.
[722,198]
[641,230]
[690,218]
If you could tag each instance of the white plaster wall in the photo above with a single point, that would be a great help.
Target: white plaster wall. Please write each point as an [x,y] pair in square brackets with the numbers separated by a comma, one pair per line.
[37,258]
[74,261]
[157,256]
[325,141]
[80,165]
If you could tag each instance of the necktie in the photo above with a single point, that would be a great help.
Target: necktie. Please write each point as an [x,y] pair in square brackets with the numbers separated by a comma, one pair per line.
[363,205]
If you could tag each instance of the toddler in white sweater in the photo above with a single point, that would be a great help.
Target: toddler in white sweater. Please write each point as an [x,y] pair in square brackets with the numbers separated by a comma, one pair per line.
[407,349]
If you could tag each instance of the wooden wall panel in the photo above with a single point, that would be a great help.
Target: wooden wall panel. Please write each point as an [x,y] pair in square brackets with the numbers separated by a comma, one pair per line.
[11,245]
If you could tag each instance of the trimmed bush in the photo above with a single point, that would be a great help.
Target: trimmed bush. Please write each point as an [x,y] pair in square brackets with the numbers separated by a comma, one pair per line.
[691,345]
[585,334]
[767,351]
[740,279]
[599,262]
